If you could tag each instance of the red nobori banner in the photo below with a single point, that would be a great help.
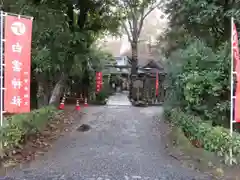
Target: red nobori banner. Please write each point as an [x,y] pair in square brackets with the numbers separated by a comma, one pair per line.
[98,81]
[235,48]
[18,36]
[235,52]
[157,84]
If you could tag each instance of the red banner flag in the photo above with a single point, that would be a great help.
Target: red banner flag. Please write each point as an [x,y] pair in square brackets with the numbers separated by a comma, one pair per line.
[98,81]
[235,48]
[157,84]
[18,36]
[235,52]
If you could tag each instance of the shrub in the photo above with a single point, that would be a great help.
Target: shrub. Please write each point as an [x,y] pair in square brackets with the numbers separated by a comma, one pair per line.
[20,126]
[107,88]
[215,139]
[198,78]
[104,93]
[101,96]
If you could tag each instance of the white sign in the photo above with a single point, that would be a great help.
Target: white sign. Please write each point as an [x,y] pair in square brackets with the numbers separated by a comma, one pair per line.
[18,28]
[16,83]
[17,48]
[16,100]
[16,66]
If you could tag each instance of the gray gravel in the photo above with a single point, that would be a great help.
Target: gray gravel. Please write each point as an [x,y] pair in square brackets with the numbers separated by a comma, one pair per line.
[124,143]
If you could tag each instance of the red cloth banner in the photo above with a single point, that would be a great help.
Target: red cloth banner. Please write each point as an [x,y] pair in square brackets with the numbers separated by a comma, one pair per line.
[157,84]
[98,81]
[235,52]
[18,36]
[235,48]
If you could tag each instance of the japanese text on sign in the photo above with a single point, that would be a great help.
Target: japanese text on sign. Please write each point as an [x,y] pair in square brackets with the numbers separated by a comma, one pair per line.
[98,81]
[17,70]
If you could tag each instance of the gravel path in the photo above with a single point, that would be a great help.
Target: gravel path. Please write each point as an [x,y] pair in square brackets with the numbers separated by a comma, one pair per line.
[124,143]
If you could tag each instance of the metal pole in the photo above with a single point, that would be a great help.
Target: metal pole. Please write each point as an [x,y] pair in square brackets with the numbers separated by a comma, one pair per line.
[23,16]
[232,93]
[1,75]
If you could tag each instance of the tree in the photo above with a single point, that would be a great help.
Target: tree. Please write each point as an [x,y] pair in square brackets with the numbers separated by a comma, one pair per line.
[198,50]
[209,20]
[60,35]
[135,12]
[50,43]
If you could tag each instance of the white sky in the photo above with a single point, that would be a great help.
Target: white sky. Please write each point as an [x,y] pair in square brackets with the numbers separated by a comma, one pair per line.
[153,26]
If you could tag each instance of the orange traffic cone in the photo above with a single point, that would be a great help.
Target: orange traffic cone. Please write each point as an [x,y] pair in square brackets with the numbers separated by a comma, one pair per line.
[61,106]
[77,105]
[85,102]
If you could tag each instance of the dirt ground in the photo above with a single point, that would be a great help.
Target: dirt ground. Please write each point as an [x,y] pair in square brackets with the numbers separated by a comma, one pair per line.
[37,145]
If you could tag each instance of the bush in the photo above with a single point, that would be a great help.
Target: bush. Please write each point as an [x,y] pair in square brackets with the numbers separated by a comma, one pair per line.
[107,89]
[101,96]
[104,93]
[215,139]
[19,127]
[198,78]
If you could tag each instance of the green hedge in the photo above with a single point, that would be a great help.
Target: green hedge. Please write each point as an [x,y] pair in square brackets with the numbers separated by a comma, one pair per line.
[19,127]
[214,139]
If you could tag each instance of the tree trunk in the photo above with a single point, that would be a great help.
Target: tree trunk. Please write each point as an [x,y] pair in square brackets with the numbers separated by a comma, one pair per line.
[134,68]
[57,92]
[33,93]
[134,57]
[227,21]
[42,95]
[42,90]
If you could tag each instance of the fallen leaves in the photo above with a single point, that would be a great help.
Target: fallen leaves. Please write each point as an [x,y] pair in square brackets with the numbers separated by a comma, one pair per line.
[36,145]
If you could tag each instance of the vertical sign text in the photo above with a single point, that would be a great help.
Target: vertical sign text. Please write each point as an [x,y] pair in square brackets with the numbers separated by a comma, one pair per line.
[18,35]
